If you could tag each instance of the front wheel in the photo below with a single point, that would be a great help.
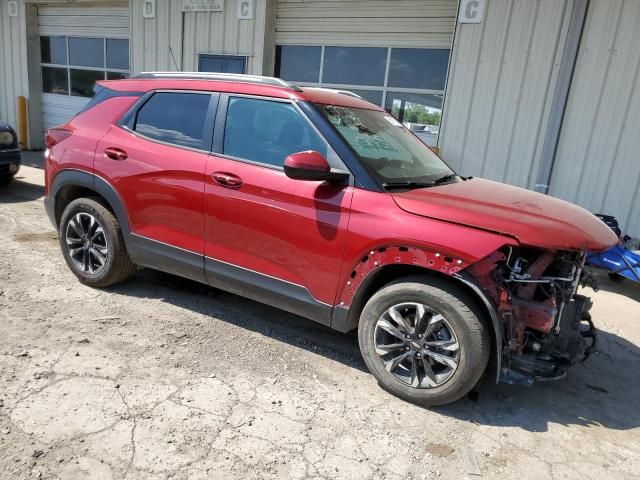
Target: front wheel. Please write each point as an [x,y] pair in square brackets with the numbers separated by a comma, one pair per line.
[423,340]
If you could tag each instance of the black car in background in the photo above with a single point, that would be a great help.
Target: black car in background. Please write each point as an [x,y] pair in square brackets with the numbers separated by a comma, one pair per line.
[9,153]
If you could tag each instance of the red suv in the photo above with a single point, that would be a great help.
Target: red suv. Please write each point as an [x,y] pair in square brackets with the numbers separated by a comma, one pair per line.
[322,204]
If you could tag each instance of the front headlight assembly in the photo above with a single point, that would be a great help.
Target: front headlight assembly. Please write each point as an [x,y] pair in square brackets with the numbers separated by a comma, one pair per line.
[6,139]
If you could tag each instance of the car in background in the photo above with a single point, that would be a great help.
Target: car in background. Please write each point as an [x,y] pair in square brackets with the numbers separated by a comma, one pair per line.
[10,157]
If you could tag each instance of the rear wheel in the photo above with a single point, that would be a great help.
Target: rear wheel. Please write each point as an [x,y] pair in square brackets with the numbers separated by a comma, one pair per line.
[93,245]
[422,340]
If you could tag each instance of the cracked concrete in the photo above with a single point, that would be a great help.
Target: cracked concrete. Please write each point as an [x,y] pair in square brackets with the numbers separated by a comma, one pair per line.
[164,378]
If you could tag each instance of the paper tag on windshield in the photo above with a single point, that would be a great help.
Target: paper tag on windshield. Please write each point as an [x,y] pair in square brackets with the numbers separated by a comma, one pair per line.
[392,121]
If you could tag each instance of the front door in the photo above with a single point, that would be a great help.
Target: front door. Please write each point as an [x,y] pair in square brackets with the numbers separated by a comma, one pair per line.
[275,239]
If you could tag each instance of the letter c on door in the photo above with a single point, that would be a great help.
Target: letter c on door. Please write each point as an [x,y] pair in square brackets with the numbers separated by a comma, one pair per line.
[471,11]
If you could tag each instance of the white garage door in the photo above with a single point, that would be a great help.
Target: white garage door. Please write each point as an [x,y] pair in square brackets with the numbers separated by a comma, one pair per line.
[392,53]
[79,45]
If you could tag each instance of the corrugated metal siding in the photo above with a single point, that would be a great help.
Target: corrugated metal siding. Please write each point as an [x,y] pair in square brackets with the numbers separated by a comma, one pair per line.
[501,80]
[399,23]
[85,20]
[598,157]
[153,39]
[223,33]
[191,33]
[13,61]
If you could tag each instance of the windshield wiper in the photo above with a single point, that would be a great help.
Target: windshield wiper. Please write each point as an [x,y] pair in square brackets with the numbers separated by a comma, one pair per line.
[412,184]
[400,185]
[446,178]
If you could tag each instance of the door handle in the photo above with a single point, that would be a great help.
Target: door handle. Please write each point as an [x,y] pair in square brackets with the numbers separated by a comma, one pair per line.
[227,179]
[115,153]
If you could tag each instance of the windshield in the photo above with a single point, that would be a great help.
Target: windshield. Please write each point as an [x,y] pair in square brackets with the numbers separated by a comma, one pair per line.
[386,148]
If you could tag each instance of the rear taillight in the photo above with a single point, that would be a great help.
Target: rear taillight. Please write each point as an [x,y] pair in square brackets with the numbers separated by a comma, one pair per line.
[53,136]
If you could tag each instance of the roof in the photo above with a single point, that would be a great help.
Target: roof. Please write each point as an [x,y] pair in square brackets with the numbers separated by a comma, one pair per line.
[235,83]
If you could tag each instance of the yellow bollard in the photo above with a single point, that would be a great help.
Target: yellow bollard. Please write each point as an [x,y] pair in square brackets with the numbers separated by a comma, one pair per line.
[21,120]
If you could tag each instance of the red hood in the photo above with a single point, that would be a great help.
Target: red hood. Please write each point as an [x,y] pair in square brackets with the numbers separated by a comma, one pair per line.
[534,219]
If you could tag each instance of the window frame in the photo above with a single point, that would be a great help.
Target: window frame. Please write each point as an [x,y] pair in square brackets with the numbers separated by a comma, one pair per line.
[383,88]
[333,158]
[68,66]
[386,89]
[244,58]
[128,120]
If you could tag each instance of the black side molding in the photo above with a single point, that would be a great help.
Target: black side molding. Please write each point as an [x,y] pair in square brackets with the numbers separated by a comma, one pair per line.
[265,289]
[167,258]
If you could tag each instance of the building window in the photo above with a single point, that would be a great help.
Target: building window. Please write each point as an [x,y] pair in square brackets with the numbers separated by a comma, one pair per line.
[71,65]
[222,63]
[408,82]
[298,63]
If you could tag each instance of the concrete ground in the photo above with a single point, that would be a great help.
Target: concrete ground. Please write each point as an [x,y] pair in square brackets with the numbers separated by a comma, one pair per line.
[164,378]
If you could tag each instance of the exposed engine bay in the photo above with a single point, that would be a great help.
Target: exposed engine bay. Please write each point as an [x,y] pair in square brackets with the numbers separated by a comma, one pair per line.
[546,325]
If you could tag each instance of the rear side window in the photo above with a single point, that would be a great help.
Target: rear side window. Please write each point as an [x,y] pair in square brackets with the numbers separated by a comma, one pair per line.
[176,118]
[265,131]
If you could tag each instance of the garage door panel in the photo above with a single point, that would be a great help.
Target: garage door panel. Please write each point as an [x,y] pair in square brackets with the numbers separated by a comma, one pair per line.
[406,23]
[368,9]
[82,21]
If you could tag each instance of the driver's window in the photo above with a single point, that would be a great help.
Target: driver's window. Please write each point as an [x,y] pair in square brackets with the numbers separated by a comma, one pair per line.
[266,131]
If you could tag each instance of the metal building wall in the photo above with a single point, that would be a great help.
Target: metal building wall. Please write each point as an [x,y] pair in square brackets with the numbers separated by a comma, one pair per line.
[191,33]
[597,161]
[400,23]
[501,81]
[14,78]
[152,38]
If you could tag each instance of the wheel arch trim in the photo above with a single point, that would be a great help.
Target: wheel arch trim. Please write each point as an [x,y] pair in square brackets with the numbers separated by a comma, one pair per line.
[81,178]
[372,264]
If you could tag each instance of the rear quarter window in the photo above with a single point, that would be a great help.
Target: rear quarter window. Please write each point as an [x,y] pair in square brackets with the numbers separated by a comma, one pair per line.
[175,118]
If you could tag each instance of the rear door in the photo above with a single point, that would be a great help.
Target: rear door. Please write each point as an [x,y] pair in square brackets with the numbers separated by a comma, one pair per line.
[269,237]
[157,165]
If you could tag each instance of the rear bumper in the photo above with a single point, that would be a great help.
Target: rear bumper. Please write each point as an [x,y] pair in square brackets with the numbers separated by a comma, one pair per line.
[10,161]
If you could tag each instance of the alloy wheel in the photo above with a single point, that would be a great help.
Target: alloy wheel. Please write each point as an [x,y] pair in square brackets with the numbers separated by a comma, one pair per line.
[86,243]
[417,345]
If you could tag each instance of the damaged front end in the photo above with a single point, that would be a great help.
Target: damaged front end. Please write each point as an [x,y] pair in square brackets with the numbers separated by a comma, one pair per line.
[546,325]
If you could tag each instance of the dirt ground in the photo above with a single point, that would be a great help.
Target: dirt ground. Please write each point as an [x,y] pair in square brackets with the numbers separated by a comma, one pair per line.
[164,378]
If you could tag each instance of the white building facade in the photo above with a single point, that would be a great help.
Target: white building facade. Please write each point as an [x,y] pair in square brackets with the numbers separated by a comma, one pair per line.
[541,94]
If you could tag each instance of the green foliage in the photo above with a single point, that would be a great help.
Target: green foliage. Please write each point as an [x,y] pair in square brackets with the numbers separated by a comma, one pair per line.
[418,115]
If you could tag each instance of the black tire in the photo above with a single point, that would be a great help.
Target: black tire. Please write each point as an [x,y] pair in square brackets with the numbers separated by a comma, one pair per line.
[5,180]
[118,266]
[459,310]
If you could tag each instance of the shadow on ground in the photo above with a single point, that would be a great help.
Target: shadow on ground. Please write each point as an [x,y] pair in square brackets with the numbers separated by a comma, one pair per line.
[33,158]
[20,191]
[602,391]
[624,286]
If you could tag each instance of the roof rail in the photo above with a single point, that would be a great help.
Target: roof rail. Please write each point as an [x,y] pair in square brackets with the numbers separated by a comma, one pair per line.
[223,77]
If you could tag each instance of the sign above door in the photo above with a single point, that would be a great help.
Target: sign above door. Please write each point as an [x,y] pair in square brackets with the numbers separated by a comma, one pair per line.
[202,5]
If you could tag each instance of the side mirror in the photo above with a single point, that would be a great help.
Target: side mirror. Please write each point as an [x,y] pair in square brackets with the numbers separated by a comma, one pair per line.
[311,165]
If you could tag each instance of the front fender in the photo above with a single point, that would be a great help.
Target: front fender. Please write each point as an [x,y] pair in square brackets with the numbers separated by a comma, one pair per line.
[410,256]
